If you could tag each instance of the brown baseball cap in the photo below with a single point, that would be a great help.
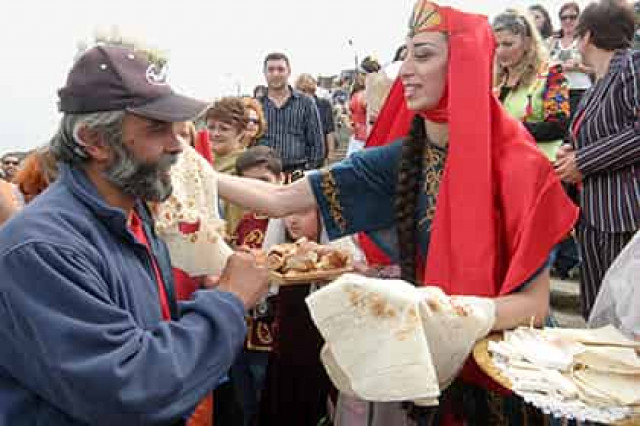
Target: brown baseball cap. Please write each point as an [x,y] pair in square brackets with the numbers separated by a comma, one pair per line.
[114,78]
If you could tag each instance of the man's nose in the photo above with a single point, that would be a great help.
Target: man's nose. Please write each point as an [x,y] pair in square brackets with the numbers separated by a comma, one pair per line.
[174,144]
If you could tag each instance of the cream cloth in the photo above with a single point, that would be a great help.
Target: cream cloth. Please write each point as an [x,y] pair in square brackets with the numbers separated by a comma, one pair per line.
[618,302]
[387,340]
[194,201]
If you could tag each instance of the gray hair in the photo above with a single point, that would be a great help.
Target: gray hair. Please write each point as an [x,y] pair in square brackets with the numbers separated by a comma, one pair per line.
[67,146]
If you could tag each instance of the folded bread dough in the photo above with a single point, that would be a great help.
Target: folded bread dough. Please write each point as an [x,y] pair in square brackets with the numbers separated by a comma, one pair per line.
[387,340]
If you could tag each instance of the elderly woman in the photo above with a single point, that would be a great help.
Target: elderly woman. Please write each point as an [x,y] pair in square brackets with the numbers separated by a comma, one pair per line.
[462,199]
[530,90]
[227,120]
[604,154]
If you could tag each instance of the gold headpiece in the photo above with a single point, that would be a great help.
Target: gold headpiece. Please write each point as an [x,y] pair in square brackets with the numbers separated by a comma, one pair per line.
[426,16]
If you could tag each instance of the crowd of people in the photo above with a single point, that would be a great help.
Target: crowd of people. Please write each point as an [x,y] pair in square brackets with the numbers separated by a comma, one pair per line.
[485,157]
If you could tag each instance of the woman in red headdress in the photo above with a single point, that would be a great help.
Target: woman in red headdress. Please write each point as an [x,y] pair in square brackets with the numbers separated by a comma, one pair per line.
[462,199]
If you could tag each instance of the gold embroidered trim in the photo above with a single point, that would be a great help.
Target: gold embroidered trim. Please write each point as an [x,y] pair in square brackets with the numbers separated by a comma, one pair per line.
[434,160]
[255,238]
[332,194]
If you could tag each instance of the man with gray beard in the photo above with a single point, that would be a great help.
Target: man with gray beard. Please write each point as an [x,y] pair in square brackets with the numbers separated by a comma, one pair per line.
[91,330]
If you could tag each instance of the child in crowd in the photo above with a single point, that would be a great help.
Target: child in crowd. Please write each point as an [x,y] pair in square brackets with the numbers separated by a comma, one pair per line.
[248,372]
[297,388]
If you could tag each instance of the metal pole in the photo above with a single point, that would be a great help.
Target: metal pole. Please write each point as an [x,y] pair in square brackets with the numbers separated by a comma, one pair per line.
[355,59]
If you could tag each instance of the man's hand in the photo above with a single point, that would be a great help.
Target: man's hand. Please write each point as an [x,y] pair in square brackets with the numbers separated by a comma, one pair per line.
[566,165]
[245,278]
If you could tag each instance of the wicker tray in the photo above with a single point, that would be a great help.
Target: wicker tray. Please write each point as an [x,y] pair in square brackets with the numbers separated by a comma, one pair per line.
[485,361]
[306,278]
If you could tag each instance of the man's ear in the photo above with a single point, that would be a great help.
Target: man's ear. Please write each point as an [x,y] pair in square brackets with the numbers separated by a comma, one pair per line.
[93,144]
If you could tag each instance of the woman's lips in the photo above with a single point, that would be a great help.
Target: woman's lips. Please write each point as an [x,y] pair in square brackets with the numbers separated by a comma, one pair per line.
[410,90]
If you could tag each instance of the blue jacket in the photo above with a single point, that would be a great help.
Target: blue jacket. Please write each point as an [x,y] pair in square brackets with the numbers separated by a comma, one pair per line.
[82,336]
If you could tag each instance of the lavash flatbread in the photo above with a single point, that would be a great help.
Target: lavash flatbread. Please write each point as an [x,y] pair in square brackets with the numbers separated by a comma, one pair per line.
[194,202]
[612,360]
[452,325]
[612,389]
[606,336]
[380,335]
[376,337]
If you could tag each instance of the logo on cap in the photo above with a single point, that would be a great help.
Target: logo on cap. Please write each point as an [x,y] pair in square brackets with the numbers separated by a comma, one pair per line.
[156,75]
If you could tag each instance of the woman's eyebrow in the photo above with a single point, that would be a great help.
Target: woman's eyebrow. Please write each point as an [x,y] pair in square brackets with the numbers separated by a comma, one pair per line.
[424,43]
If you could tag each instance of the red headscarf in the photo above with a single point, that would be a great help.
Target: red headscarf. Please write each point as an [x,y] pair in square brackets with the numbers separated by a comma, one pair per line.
[203,145]
[500,207]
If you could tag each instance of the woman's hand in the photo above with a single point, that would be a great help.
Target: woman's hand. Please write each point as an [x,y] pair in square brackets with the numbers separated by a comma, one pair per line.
[566,165]
[570,65]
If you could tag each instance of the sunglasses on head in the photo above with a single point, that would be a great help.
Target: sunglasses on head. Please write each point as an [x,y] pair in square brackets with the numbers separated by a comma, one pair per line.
[569,17]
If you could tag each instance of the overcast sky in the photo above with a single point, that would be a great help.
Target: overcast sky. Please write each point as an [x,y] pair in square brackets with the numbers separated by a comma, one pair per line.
[214,46]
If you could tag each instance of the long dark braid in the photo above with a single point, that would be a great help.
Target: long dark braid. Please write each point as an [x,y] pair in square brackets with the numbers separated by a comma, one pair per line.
[407,190]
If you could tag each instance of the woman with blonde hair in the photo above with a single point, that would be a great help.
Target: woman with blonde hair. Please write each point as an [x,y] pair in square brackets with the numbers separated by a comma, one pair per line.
[530,90]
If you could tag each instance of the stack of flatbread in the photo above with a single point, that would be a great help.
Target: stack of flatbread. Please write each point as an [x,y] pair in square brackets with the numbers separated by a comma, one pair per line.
[189,221]
[588,374]
[387,340]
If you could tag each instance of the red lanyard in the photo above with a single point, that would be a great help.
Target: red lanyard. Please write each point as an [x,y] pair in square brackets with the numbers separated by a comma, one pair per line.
[576,125]
[138,231]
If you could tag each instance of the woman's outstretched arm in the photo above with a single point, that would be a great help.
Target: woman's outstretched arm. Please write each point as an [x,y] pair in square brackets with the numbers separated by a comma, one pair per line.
[267,198]
[523,307]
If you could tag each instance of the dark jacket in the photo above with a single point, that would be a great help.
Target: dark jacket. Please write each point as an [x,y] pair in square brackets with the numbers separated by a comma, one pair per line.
[608,147]
[83,339]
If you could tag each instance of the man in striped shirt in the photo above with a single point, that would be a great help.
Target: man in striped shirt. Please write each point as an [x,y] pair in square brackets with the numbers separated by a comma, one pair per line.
[294,130]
